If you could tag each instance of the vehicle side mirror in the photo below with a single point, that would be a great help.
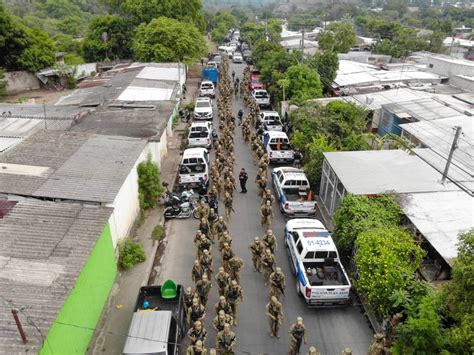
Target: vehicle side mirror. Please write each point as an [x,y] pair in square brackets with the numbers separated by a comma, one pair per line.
[164,183]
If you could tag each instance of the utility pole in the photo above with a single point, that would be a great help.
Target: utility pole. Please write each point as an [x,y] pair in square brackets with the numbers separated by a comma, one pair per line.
[451,153]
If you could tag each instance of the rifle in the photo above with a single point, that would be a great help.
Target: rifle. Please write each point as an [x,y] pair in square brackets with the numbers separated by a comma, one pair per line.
[279,286]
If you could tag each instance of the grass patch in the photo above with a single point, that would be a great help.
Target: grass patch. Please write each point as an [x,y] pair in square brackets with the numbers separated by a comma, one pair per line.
[158,232]
[130,254]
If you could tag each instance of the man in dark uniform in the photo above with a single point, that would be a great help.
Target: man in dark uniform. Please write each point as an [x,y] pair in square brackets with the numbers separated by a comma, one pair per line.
[243,177]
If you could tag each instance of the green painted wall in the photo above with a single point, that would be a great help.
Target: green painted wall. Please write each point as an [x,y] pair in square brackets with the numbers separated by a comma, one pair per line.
[84,305]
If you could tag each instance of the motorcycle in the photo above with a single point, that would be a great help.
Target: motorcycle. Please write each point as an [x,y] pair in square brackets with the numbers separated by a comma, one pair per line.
[183,210]
[174,199]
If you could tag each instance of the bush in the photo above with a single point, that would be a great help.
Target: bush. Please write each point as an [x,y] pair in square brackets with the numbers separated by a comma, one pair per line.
[130,254]
[149,183]
[158,232]
[386,259]
[3,83]
[71,82]
[357,214]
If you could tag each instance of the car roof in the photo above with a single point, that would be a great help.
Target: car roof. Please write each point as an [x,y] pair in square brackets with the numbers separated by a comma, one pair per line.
[203,99]
[148,332]
[201,124]
[292,173]
[194,152]
[276,134]
[314,236]
[259,90]
[269,113]
[207,82]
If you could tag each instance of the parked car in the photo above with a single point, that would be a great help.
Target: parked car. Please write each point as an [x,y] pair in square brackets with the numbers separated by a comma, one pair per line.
[271,121]
[261,97]
[203,109]
[200,134]
[207,89]
[237,58]
[293,192]
[277,147]
[320,276]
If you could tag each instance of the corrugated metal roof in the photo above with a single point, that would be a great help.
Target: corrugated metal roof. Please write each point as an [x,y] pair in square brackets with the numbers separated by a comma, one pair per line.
[136,93]
[8,142]
[43,248]
[381,171]
[84,167]
[441,217]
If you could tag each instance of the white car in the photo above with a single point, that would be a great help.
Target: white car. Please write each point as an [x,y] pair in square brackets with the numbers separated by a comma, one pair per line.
[271,121]
[237,58]
[212,64]
[203,109]
[207,89]
[200,134]
[261,97]
[278,147]
[194,168]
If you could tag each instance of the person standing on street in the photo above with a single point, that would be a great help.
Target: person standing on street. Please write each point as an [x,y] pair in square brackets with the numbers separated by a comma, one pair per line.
[243,177]
[275,316]
[268,265]
[277,283]
[297,336]
[234,297]
[257,248]
[233,75]
[226,341]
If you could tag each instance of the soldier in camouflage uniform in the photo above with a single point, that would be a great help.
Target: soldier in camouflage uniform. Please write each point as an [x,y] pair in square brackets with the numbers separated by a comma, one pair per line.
[257,249]
[223,305]
[266,214]
[275,316]
[236,265]
[203,287]
[297,336]
[196,312]
[270,241]
[197,333]
[222,318]
[226,341]
[197,271]
[223,281]
[277,283]
[234,297]
[268,264]
[206,263]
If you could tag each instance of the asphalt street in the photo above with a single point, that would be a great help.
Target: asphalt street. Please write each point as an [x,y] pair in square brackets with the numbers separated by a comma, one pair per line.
[330,330]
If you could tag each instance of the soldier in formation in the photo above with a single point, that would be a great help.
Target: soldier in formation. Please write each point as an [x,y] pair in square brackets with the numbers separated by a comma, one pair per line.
[197,333]
[268,264]
[297,336]
[277,283]
[226,341]
[275,316]
[257,248]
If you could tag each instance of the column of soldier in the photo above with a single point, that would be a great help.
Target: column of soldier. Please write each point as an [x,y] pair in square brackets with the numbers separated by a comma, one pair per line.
[213,228]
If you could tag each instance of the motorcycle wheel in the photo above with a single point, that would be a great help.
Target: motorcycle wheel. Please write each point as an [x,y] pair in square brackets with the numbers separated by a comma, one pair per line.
[195,214]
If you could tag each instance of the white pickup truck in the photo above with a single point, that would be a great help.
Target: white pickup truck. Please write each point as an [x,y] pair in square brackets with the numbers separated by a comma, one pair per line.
[320,276]
[293,192]
[277,146]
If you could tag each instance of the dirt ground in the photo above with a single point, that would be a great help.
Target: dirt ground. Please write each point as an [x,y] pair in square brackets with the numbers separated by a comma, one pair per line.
[36,96]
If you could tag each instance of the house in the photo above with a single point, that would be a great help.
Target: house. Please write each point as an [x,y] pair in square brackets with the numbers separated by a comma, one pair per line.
[57,269]
[77,167]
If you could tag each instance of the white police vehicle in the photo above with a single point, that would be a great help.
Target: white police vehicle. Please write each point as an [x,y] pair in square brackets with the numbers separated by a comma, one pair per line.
[293,191]
[203,109]
[271,120]
[207,89]
[193,170]
[200,134]
[320,276]
[277,146]
[261,97]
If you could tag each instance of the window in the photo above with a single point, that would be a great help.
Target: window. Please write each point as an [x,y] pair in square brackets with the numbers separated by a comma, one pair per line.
[299,247]
[321,255]
[295,237]
[333,254]
[309,255]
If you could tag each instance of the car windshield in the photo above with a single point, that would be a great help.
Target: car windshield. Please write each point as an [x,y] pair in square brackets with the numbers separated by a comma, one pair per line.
[202,104]
[198,134]
[273,123]
[261,95]
[206,86]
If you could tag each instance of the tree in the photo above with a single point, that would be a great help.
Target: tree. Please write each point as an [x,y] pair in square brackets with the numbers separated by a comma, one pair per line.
[167,40]
[23,48]
[386,259]
[187,11]
[315,158]
[262,50]
[357,214]
[421,333]
[339,37]
[304,83]
[221,24]
[252,32]
[149,183]
[326,64]
[108,37]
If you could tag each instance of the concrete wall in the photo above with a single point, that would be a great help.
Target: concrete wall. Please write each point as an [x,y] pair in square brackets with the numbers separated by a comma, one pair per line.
[463,83]
[83,70]
[19,81]
[73,328]
[448,67]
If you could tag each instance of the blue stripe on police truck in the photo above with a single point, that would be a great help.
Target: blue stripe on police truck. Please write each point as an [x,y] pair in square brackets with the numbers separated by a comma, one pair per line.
[301,277]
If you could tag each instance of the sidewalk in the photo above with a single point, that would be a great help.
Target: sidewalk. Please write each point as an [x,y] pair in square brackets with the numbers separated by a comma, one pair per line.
[112,328]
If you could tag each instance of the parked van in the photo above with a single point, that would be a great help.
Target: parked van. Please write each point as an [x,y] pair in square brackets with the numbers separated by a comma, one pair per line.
[278,148]
[200,134]
[194,168]
[227,50]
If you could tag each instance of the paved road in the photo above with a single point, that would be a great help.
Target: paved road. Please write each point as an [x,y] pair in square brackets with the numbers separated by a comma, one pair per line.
[330,330]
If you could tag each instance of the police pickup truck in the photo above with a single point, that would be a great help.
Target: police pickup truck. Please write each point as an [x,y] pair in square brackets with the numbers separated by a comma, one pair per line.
[320,276]
[277,146]
[293,192]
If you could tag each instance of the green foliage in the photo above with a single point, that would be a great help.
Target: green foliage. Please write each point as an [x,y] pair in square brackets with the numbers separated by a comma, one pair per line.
[71,82]
[23,48]
[357,214]
[118,39]
[315,157]
[3,83]
[339,37]
[304,83]
[326,64]
[72,25]
[252,32]
[149,183]
[130,253]
[65,43]
[168,40]
[421,333]
[221,24]
[144,11]
[158,232]
[73,59]
[263,48]
[386,259]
